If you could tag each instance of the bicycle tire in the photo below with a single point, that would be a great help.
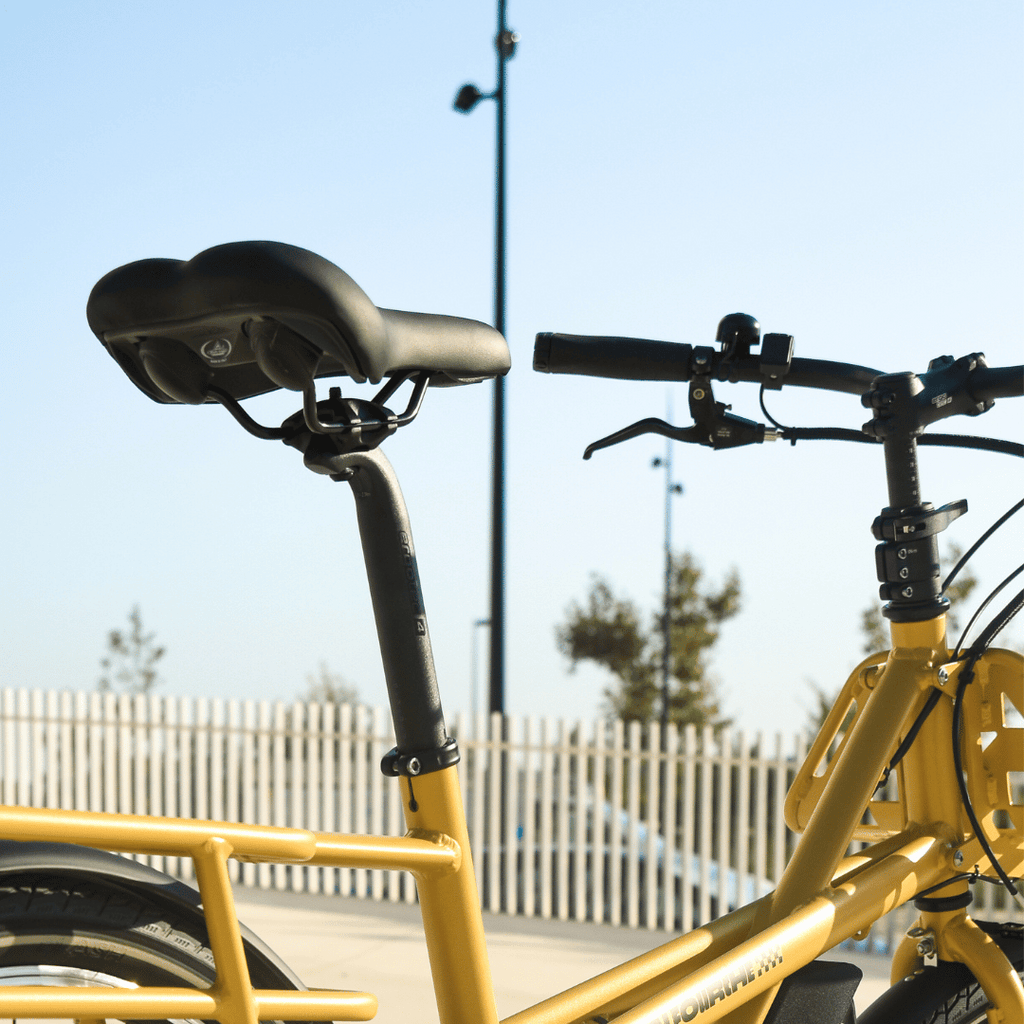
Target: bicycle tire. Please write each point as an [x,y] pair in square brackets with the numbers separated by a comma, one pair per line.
[72,932]
[948,994]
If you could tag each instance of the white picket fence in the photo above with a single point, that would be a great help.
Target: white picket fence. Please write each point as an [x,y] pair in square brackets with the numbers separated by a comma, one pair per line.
[585,821]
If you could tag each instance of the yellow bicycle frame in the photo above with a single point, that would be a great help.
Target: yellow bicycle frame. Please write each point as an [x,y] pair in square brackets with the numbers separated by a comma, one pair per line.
[728,970]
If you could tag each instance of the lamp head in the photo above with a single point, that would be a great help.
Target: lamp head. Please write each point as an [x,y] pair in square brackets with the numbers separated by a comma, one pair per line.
[468,97]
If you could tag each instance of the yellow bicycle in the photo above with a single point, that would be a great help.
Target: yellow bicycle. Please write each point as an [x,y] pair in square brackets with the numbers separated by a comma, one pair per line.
[90,936]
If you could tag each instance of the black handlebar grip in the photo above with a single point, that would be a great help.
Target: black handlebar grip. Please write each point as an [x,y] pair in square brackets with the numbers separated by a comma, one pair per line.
[621,358]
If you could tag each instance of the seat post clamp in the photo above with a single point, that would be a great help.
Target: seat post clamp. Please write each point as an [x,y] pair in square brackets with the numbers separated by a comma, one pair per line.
[424,762]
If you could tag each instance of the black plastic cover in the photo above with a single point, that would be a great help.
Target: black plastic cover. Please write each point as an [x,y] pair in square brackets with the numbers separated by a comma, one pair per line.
[820,993]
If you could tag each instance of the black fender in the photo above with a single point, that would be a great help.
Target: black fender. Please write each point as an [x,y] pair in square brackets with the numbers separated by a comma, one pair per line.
[918,997]
[68,860]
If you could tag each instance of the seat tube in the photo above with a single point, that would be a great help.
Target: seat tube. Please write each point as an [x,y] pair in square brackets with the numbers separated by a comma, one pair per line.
[450,905]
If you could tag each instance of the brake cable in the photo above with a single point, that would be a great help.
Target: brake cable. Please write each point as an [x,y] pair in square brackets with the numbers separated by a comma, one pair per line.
[987,444]
[908,740]
[979,647]
[977,544]
[970,876]
[988,600]
[794,434]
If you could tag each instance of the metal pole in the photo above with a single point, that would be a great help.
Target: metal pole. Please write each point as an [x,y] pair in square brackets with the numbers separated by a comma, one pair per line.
[666,621]
[504,44]
[671,489]
[468,97]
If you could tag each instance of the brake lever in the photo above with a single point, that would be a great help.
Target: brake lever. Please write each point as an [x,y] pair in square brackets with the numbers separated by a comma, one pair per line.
[714,426]
[652,425]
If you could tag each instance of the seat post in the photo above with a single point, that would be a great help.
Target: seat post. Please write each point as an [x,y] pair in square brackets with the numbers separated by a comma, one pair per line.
[394,582]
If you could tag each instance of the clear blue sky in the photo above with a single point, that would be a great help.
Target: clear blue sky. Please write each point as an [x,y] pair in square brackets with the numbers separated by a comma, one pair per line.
[849,173]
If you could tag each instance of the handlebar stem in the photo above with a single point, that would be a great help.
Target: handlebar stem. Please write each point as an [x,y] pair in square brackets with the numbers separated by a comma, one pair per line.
[907,560]
[902,475]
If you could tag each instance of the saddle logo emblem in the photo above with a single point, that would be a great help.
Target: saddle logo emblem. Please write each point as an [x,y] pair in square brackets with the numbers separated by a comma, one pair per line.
[217,350]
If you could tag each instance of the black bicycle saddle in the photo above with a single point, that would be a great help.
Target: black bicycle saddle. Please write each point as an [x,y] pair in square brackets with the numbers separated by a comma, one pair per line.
[248,317]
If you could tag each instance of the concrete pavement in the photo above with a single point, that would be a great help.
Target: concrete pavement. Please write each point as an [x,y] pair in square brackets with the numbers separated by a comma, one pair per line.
[337,942]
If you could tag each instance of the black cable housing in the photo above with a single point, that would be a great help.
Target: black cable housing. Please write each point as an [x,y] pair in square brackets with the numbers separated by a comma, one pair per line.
[981,540]
[970,876]
[988,600]
[908,740]
[794,434]
[966,678]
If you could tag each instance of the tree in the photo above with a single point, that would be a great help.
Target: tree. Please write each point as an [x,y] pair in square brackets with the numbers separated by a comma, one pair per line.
[132,654]
[609,631]
[327,687]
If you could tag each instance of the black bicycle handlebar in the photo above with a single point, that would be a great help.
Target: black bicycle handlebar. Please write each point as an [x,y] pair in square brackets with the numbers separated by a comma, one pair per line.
[998,382]
[643,359]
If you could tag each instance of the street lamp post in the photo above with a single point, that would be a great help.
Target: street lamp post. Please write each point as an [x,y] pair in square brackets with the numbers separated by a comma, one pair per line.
[466,99]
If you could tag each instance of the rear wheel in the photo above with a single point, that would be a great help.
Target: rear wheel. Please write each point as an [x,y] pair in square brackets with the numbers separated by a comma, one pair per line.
[71,933]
